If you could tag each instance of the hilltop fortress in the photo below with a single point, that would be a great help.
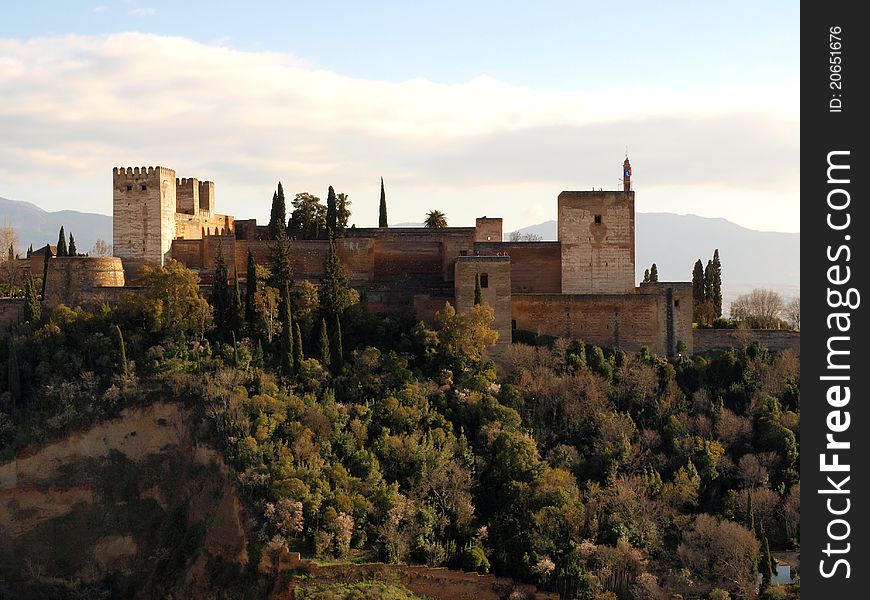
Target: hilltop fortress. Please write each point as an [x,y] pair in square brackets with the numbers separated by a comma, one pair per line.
[580,287]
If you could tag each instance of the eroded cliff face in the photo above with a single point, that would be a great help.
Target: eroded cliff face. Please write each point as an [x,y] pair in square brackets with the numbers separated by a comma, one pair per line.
[133,507]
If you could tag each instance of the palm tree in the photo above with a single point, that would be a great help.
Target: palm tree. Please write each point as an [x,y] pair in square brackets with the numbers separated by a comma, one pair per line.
[435,219]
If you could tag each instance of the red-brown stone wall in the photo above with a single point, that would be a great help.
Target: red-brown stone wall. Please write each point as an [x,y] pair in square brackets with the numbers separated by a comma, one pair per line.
[536,267]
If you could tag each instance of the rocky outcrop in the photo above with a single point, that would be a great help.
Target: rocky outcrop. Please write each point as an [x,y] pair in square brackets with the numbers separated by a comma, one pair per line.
[134,501]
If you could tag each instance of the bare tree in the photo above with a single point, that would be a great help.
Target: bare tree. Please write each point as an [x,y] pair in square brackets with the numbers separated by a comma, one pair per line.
[759,308]
[101,248]
[8,264]
[518,236]
[793,313]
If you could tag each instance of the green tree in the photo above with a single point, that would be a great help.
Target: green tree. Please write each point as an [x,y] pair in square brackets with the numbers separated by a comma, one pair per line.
[767,565]
[324,344]
[435,219]
[237,306]
[45,262]
[337,346]
[287,355]
[717,284]
[331,213]
[251,294]
[308,218]
[61,243]
[32,306]
[178,308]
[278,216]
[478,292]
[646,276]
[72,250]
[220,293]
[382,209]
[281,262]
[335,293]
[653,273]
[708,281]
[698,283]
[343,217]
[298,356]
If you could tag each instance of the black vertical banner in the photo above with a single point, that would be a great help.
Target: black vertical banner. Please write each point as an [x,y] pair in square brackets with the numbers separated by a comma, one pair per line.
[835,371]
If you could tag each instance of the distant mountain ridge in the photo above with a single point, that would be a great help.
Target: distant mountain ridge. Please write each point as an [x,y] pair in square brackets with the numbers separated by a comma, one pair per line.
[750,258]
[39,227]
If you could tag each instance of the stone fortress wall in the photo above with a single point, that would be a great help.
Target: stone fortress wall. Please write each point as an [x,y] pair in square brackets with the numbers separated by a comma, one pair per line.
[581,286]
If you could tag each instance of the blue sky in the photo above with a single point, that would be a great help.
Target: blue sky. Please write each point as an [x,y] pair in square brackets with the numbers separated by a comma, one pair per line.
[468,107]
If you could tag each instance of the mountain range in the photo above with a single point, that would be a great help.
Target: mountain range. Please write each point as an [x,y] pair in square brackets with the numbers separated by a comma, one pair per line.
[39,227]
[750,259]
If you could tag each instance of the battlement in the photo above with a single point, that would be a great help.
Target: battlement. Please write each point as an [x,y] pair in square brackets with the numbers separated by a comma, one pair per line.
[139,173]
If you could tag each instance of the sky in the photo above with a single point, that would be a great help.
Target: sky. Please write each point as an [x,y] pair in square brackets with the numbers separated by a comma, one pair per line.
[471,108]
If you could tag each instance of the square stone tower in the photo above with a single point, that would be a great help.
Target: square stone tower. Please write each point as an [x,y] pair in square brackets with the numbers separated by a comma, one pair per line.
[143,217]
[495,284]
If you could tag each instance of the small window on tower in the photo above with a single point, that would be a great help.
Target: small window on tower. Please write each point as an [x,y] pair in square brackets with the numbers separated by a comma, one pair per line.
[129,188]
[484,280]
[676,304]
[598,219]
[144,187]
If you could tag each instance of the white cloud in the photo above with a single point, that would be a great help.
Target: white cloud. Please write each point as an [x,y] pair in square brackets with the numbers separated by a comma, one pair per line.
[140,11]
[100,8]
[75,106]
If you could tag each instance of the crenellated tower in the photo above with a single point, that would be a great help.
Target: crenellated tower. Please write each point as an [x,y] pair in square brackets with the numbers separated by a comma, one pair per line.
[143,223]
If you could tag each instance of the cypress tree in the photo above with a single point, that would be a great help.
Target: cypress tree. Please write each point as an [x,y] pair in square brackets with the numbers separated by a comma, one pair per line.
[251,294]
[237,306]
[32,306]
[298,357]
[324,344]
[278,216]
[337,349]
[235,351]
[29,250]
[122,351]
[653,273]
[286,343]
[281,262]
[45,268]
[61,243]
[646,276]
[72,251]
[768,568]
[708,281]
[14,375]
[382,211]
[717,283]
[334,290]
[331,213]
[698,283]
[343,214]
[220,300]
[478,292]
[750,515]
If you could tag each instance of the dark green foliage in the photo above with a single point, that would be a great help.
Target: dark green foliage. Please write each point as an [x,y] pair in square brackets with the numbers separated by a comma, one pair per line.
[280,262]
[335,293]
[286,349]
[343,214]
[653,273]
[478,292]
[298,356]
[382,207]
[435,219]
[72,250]
[32,311]
[236,318]
[61,243]
[698,293]
[646,276]
[220,293]
[308,220]
[324,344]
[331,213]
[251,318]
[708,281]
[716,297]
[278,215]
[337,354]
[45,268]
